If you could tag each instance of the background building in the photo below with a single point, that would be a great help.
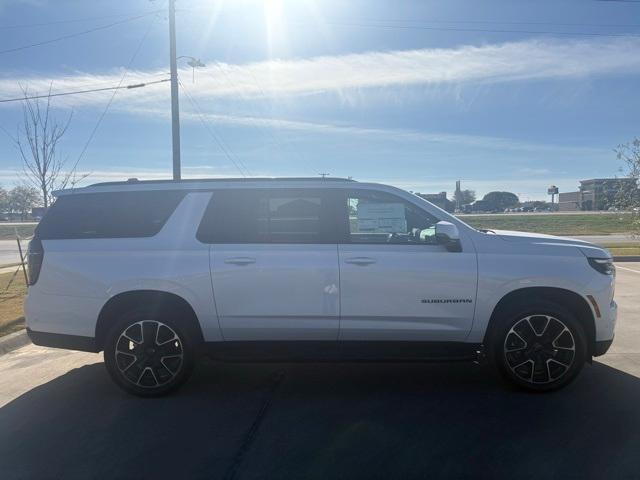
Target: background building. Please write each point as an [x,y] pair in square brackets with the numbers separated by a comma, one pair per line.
[593,194]
[439,199]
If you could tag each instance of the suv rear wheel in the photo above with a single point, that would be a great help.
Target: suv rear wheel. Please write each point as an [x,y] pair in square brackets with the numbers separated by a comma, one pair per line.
[541,347]
[148,356]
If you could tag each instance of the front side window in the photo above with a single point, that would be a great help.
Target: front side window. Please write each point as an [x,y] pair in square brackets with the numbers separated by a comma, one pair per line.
[379,217]
[266,216]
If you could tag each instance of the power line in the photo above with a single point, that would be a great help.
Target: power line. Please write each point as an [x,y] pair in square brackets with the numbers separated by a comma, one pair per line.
[290,143]
[501,22]
[77,34]
[73,20]
[115,92]
[77,92]
[456,29]
[208,128]
[276,141]
[424,24]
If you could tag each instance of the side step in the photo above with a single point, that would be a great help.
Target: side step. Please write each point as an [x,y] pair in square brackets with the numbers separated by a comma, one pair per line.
[345,351]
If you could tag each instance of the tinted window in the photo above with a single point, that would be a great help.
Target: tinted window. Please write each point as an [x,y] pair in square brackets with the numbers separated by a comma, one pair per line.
[109,215]
[378,217]
[266,216]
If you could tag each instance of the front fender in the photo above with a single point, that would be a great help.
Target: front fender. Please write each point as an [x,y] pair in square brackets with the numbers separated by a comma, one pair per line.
[498,276]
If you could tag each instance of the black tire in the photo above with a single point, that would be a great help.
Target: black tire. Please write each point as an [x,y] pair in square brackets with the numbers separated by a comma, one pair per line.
[539,347]
[151,366]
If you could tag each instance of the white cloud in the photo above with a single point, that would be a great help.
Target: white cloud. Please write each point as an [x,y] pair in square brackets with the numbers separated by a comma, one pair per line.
[35,3]
[388,134]
[526,188]
[12,177]
[506,62]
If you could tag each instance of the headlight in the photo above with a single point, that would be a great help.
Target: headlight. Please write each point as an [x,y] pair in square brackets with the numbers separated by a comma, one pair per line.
[603,265]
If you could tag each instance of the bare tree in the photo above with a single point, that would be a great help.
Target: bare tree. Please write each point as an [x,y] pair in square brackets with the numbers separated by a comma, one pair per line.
[37,141]
[628,194]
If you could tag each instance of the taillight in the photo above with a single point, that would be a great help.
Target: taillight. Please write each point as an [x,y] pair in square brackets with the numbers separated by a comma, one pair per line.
[35,255]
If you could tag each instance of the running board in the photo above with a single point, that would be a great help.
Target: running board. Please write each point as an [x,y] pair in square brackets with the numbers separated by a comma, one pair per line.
[346,351]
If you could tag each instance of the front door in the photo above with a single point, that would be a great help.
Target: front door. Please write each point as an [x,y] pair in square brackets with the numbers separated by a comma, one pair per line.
[274,268]
[396,281]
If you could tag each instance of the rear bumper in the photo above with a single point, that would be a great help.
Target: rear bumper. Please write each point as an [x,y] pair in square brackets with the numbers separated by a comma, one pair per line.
[59,340]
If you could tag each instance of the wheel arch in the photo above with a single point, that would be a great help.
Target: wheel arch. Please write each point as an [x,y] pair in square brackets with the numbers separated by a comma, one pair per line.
[566,298]
[156,301]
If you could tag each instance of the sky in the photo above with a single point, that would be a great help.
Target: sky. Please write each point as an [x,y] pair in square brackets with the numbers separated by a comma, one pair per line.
[502,95]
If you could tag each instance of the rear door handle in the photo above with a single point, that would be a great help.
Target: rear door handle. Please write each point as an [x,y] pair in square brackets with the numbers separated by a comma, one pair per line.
[360,261]
[240,261]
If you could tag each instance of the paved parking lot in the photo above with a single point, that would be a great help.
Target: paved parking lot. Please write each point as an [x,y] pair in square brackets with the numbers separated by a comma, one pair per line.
[60,417]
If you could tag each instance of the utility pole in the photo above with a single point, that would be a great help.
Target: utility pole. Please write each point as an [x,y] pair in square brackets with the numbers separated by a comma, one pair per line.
[175,109]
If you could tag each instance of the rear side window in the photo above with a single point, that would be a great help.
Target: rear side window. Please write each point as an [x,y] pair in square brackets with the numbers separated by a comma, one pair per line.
[109,215]
[267,216]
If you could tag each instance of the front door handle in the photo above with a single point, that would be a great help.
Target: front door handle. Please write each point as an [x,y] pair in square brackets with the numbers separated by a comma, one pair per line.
[360,261]
[240,261]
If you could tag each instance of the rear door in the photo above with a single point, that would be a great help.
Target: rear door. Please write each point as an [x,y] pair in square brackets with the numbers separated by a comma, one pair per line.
[396,281]
[274,264]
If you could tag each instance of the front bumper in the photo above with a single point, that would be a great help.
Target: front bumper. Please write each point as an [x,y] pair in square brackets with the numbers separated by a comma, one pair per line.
[600,348]
[605,329]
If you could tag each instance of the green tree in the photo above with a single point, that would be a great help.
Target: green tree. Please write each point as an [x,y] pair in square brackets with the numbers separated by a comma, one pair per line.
[22,199]
[628,195]
[4,200]
[464,197]
[501,200]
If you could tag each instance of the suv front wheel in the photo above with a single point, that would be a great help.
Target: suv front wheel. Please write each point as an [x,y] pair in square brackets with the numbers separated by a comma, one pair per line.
[541,347]
[148,356]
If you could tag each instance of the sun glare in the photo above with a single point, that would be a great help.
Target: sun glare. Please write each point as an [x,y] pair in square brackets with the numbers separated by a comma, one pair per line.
[273,11]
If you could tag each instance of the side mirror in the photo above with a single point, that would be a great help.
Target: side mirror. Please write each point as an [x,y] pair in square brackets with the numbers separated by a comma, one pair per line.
[447,234]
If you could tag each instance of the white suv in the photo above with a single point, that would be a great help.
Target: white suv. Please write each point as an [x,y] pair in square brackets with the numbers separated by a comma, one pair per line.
[155,272]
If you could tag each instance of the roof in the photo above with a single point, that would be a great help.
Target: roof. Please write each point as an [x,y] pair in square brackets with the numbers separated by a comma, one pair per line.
[231,179]
[206,184]
[615,179]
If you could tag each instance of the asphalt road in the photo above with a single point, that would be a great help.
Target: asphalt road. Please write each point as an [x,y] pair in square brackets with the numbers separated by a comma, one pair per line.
[61,417]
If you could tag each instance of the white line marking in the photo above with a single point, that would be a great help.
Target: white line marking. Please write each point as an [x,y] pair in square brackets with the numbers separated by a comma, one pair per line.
[628,269]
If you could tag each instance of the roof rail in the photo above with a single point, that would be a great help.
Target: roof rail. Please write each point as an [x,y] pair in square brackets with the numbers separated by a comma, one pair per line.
[221,180]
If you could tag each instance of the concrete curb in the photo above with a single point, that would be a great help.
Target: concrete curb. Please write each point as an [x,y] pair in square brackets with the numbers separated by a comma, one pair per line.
[13,341]
[628,258]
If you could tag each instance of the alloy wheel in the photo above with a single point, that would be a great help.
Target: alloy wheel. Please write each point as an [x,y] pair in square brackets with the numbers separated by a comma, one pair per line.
[149,354]
[539,349]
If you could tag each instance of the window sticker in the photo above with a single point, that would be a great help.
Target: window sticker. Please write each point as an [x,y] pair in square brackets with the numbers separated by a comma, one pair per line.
[381,218]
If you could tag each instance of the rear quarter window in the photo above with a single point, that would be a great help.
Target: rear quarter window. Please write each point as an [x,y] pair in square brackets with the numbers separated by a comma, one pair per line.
[108,215]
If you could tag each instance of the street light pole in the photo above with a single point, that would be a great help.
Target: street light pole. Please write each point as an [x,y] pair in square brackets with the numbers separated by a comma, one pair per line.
[175,109]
